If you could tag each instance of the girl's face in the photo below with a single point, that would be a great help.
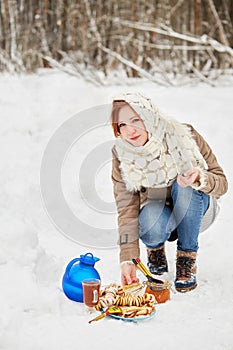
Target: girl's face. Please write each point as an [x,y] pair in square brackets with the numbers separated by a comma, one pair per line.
[131,127]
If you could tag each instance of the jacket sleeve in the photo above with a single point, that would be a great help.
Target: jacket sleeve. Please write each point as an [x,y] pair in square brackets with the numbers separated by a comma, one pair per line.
[128,206]
[213,180]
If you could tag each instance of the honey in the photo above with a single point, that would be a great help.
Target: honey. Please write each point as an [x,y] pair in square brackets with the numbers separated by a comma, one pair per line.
[160,291]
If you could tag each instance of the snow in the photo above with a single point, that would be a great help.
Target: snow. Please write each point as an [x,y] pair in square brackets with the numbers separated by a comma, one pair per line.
[35,313]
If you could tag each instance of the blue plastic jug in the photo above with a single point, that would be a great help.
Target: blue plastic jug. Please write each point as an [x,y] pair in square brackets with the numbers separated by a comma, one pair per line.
[76,271]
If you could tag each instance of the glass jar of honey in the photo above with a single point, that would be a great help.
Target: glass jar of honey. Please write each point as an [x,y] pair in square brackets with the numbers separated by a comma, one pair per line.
[161,291]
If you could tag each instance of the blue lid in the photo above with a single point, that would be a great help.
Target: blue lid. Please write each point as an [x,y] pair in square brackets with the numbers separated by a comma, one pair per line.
[88,259]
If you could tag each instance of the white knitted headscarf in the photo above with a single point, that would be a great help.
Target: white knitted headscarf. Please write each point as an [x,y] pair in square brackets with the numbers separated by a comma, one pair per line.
[170,150]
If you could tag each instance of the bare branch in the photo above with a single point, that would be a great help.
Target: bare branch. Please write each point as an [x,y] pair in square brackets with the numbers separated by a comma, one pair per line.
[200,76]
[203,40]
[64,68]
[130,64]
[222,34]
[150,28]
[176,7]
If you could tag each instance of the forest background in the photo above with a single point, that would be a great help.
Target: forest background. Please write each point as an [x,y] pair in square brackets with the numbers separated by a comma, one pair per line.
[158,40]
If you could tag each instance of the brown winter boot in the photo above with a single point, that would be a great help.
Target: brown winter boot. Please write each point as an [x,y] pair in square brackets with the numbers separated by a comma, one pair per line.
[185,271]
[157,261]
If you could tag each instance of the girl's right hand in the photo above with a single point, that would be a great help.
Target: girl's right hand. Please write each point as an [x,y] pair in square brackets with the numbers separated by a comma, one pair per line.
[128,274]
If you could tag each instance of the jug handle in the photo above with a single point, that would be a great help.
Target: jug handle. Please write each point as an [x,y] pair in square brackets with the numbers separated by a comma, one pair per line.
[89,254]
[71,263]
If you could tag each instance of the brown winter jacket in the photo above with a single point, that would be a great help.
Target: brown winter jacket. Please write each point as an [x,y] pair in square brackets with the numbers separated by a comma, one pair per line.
[128,203]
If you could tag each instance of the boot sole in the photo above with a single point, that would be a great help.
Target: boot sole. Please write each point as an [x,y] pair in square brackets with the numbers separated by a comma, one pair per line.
[160,273]
[187,289]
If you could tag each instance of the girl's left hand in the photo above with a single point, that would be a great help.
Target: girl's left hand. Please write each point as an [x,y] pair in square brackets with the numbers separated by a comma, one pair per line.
[188,178]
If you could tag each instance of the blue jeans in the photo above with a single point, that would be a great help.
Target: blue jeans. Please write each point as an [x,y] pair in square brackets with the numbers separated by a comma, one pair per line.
[157,220]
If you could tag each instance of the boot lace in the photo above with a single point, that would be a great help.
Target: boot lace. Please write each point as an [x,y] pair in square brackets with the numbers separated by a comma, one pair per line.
[157,257]
[184,267]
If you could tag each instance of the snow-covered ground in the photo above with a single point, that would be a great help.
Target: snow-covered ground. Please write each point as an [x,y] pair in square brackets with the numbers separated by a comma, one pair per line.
[34,312]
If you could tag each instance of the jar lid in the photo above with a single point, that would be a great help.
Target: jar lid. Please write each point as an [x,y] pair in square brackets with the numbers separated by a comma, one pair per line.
[157,286]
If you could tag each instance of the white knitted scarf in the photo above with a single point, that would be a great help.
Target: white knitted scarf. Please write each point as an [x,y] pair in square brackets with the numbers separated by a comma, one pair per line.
[170,150]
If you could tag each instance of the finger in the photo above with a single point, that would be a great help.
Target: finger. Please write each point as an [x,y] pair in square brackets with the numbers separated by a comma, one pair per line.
[192,173]
[129,280]
[180,181]
[124,282]
[182,184]
[189,172]
[185,181]
[126,279]
[135,280]
[190,180]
